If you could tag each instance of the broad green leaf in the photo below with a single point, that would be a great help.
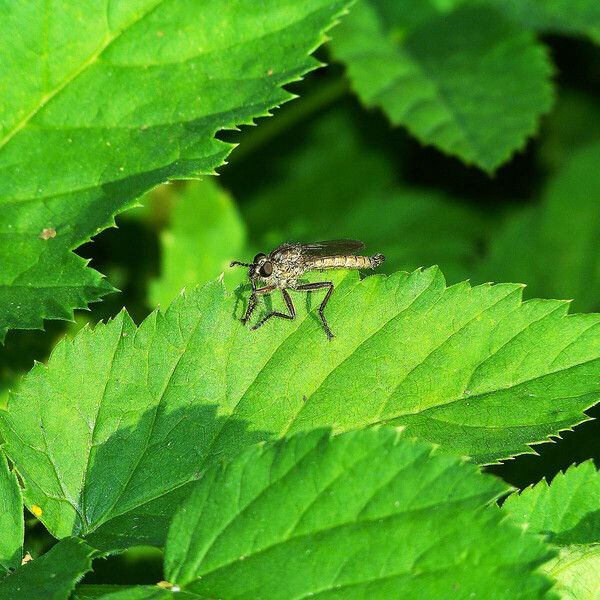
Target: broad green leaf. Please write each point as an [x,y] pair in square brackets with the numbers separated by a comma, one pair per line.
[205,234]
[468,82]
[108,436]
[52,576]
[318,516]
[555,247]
[568,512]
[101,103]
[321,516]
[411,226]
[571,17]
[11,518]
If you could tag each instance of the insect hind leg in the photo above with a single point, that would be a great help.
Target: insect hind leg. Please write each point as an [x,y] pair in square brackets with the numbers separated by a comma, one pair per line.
[291,316]
[319,285]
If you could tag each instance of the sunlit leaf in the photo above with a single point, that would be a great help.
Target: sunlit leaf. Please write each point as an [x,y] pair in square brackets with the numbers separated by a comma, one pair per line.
[101,103]
[567,511]
[109,435]
[315,515]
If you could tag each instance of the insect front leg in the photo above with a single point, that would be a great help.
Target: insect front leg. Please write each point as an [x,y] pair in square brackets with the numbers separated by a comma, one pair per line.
[253,300]
[276,313]
[319,285]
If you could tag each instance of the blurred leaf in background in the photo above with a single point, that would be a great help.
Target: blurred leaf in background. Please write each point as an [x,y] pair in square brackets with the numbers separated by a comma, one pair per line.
[555,246]
[204,235]
[574,17]
[348,189]
[574,122]
[465,80]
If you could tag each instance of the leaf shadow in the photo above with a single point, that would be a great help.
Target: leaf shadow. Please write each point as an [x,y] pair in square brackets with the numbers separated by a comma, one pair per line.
[139,475]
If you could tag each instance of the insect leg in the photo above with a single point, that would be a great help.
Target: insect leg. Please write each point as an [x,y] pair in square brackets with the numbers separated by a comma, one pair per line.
[253,301]
[276,313]
[318,285]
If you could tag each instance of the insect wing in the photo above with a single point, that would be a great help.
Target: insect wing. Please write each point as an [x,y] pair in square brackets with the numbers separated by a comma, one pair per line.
[332,248]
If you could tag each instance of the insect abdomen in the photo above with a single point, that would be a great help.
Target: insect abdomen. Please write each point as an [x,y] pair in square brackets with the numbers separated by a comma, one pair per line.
[346,262]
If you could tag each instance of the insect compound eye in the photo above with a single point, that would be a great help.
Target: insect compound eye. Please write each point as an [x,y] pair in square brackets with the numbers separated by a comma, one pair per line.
[259,256]
[266,269]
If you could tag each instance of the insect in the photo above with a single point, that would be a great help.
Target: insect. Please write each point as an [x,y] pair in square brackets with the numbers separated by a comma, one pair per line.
[284,266]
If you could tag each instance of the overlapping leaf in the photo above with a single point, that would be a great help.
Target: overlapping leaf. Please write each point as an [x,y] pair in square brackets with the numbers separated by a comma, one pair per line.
[205,234]
[52,576]
[318,516]
[568,512]
[467,81]
[101,104]
[11,518]
[109,435]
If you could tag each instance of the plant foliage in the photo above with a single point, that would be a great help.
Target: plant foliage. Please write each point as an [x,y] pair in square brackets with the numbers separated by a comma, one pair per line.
[101,105]
[444,75]
[147,409]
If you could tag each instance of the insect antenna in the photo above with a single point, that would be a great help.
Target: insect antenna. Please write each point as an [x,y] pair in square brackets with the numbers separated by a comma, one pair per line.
[237,263]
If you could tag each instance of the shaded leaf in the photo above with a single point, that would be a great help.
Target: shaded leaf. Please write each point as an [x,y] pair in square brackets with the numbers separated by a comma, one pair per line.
[205,234]
[574,17]
[467,81]
[145,410]
[141,592]
[102,104]
[555,247]
[52,576]
[11,518]
[411,226]
[94,591]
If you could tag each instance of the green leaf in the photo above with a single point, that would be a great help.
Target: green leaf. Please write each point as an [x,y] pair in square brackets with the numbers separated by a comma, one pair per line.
[205,234]
[573,124]
[314,515]
[102,104]
[572,17]
[468,81]
[576,572]
[94,591]
[141,592]
[52,576]
[554,247]
[568,512]
[11,518]
[145,410]
[411,226]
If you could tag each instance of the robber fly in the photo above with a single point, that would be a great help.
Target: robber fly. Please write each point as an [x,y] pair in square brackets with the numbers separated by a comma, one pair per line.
[282,268]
